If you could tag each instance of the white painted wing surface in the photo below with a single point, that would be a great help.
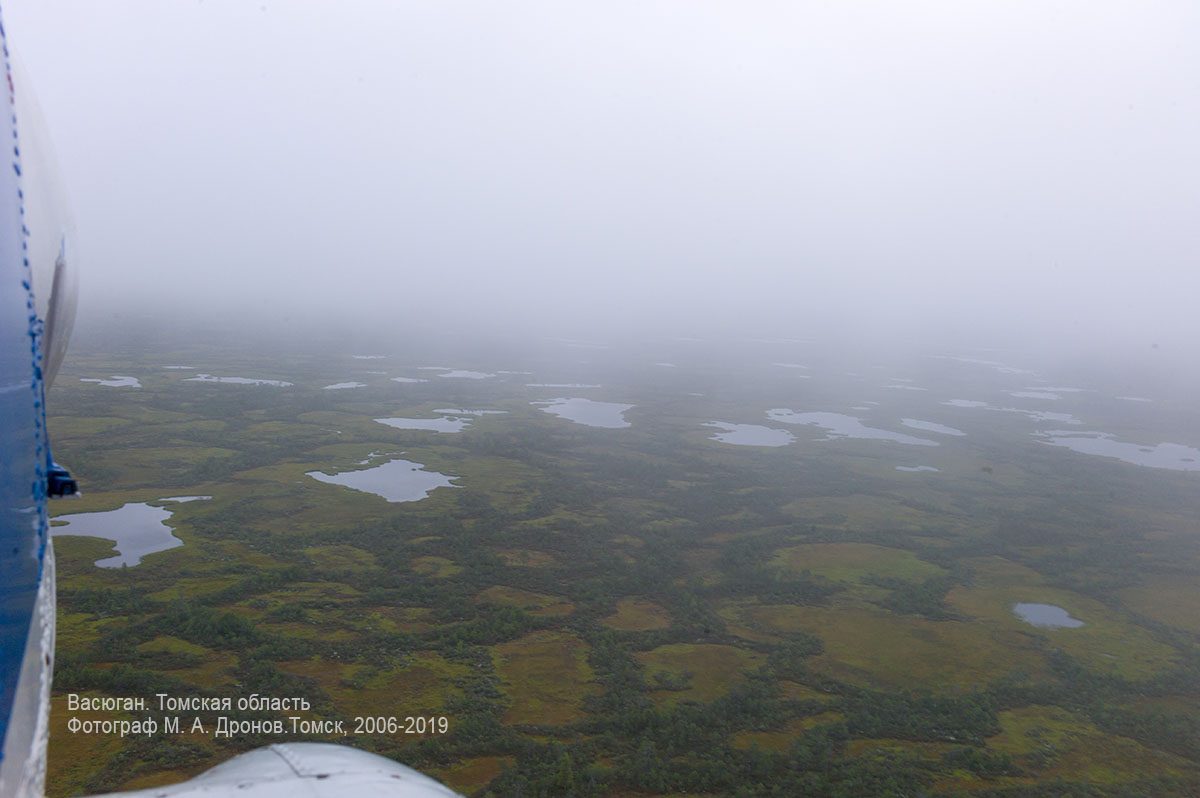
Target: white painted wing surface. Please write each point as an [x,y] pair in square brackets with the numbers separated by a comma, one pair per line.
[303,770]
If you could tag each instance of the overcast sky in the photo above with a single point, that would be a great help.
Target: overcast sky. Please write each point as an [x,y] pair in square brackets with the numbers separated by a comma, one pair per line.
[1001,163]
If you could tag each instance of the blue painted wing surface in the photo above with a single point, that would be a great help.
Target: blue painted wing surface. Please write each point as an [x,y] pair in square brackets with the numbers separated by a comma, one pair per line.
[24,552]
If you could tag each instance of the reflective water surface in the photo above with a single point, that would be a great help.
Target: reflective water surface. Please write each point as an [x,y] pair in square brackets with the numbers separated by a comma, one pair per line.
[237,380]
[840,425]
[138,529]
[588,412]
[115,381]
[750,434]
[395,480]
[930,426]
[1046,615]
[1174,456]
[444,424]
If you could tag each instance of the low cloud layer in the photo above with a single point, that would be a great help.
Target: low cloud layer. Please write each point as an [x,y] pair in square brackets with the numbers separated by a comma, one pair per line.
[1006,167]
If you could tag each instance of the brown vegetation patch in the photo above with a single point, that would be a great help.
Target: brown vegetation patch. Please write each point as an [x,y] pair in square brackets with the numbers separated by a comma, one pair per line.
[546,676]
[1072,747]
[342,558]
[780,740]
[420,685]
[869,646]
[473,774]
[636,615]
[1108,641]
[708,670]
[852,562]
[1173,599]
[538,604]
[527,558]
[437,567]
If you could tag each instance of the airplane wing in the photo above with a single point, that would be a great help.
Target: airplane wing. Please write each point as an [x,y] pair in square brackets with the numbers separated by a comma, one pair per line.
[303,770]
[26,560]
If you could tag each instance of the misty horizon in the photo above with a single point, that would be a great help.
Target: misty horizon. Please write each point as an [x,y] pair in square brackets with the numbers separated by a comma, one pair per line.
[987,176]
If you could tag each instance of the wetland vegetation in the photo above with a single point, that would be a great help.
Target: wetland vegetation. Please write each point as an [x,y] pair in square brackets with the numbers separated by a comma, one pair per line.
[633,608]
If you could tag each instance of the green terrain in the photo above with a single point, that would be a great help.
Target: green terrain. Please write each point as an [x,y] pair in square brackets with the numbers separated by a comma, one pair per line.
[632,611]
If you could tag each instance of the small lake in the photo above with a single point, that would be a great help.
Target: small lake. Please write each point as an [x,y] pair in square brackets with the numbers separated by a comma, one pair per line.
[930,426]
[463,374]
[338,386]
[236,380]
[1042,415]
[609,415]
[840,425]
[395,480]
[1046,616]
[115,381]
[1173,456]
[450,422]
[1036,415]
[408,379]
[750,434]
[997,365]
[917,468]
[443,424]
[139,529]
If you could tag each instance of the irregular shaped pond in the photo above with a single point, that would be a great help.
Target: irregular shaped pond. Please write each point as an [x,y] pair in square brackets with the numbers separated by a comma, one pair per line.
[432,424]
[843,426]
[115,381]
[462,374]
[395,480]
[237,380]
[588,412]
[1034,395]
[1173,456]
[449,423]
[1036,415]
[1047,616]
[750,434]
[930,426]
[139,529]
